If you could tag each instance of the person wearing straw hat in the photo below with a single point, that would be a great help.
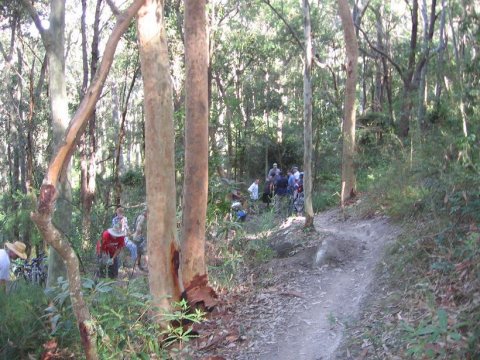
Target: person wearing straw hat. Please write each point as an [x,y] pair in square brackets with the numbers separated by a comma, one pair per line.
[11,252]
[108,248]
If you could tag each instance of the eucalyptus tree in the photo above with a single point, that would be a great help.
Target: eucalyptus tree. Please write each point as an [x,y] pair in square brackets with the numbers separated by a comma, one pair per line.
[195,189]
[54,41]
[163,246]
[88,143]
[307,115]
[348,187]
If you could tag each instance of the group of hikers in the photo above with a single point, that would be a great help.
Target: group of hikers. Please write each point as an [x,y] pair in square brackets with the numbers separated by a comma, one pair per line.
[118,237]
[285,191]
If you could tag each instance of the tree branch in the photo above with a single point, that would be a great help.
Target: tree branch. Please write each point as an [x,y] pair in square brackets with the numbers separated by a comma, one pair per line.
[280,16]
[316,58]
[38,23]
[382,53]
[113,7]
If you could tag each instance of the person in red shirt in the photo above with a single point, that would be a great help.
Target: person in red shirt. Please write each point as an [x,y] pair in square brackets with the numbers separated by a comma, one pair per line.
[108,249]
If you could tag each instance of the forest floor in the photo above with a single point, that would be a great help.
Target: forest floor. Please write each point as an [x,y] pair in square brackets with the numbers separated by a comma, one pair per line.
[298,304]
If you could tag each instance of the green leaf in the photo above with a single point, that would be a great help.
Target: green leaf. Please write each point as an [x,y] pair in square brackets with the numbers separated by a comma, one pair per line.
[429,329]
[442,320]
[88,283]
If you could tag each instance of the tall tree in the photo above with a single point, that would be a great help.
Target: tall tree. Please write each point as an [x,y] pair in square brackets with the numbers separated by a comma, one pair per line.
[88,146]
[49,191]
[54,41]
[307,115]
[163,247]
[118,163]
[348,188]
[195,187]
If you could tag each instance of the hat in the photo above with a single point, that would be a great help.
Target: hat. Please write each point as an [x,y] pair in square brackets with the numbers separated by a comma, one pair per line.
[18,248]
[116,230]
[274,164]
[236,205]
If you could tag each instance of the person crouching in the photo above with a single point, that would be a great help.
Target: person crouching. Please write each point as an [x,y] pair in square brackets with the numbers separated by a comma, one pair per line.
[108,248]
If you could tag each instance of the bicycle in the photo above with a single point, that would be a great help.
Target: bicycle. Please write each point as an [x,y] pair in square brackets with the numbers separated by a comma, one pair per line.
[33,271]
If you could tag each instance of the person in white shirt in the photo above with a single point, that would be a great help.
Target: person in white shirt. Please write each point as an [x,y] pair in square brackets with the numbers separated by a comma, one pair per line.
[253,190]
[12,251]
[296,173]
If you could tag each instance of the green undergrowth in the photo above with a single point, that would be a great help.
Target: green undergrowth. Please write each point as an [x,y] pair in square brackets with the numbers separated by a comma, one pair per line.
[22,328]
[123,318]
[246,245]
[427,302]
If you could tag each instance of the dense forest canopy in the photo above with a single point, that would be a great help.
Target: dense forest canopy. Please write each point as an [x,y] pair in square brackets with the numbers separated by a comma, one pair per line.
[255,81]
[416,102]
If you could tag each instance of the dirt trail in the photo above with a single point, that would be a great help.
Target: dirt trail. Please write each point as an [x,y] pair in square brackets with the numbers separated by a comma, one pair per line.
[298,310]
[315,329]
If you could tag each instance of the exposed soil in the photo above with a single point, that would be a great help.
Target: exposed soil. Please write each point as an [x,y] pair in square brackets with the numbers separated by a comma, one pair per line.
[296,306]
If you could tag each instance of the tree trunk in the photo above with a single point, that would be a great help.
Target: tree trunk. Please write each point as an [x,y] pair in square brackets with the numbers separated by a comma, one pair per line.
[117,153]
[163,248]
[379,68]
[59,108]
[348,189]
[195,190]
[195,186]
[307,116]
[422,68]
[404,123]
[441,55]
[121,139]
[88,144]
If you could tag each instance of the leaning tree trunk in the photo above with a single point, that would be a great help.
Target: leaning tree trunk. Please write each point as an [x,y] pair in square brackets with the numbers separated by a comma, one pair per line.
[348,188]
[163,247]
[307,116]
[49,189]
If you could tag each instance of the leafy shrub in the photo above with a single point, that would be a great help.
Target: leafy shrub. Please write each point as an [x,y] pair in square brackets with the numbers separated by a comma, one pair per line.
[123,319]
[133,177]
[181,333]
[435,195]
